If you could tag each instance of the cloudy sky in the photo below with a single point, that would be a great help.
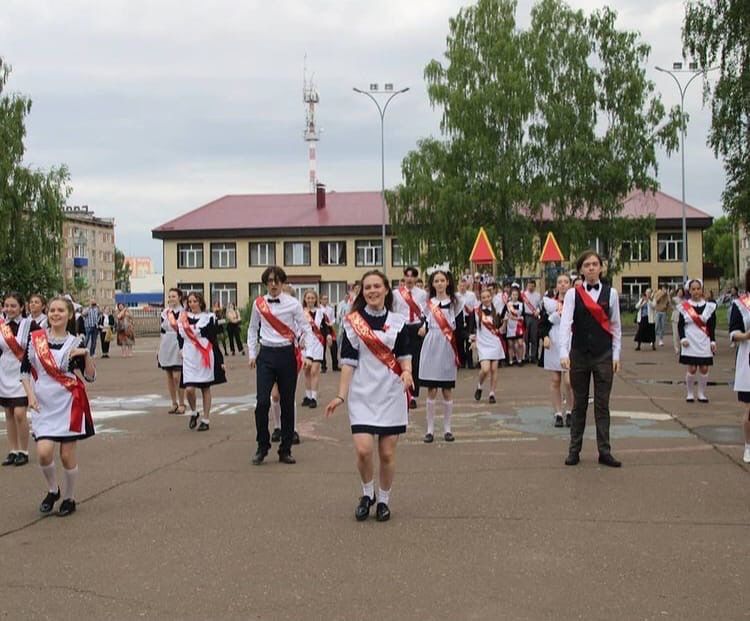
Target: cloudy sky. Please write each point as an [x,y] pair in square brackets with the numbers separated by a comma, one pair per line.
[159,106]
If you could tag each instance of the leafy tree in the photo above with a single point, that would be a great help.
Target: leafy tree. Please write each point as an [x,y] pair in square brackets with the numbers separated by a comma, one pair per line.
[122,272]
[718,31]
[717,245]
[550,127]
[31,205]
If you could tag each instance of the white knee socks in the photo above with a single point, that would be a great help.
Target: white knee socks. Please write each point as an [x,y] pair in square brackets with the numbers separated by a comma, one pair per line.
[702,384]
[384,496]
[690,381]
[69,482]
[276,413]
[430,407]
[447,416]
[368,489]
[50,475]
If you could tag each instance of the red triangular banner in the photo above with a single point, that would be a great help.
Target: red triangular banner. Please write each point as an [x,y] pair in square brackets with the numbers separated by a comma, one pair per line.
[482,251]
[551,251]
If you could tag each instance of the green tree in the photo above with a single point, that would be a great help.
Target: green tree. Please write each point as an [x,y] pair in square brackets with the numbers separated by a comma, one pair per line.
[717,245]
[549,127]
[31,205]
[718,31]
[122,272]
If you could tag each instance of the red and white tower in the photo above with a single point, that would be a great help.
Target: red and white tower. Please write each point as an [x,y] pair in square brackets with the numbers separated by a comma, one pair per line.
[311,134]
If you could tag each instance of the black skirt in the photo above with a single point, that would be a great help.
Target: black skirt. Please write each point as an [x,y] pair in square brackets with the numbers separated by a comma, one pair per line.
[743,396]
[437,383]
[379,431]
[697,361]
[646,332]
[14,402]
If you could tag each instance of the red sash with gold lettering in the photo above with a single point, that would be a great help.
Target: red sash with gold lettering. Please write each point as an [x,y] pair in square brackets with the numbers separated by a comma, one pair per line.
[205,350]
[414,311]
[280,327]
[488,324]
[697,319]
[315,328]
[80,408]
[597,312]
[445,328]
[11,341]
[379,349]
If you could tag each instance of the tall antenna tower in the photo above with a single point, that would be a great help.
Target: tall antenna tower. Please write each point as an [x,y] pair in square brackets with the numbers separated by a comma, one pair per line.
[312,135]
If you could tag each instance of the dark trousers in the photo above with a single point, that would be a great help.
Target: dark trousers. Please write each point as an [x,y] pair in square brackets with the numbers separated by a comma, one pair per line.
[233,330]
[464,344]
[90,342]
[532,337]
[105,343]
[415,349]
[334,356]
[275,365]
[582,368]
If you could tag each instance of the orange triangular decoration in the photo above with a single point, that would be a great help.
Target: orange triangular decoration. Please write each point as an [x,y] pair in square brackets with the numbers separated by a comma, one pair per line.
[482,251]
[551,251]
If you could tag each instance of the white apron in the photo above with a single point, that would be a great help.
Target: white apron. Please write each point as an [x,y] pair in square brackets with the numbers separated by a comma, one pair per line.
[169,347]
[742,366]
[437,360]
[10,366]
[699,343]
[552,355]
[315,349]
[489,346]
[193,370]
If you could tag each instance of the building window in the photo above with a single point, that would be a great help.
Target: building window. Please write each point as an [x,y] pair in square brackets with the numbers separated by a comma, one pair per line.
[262,253]
[223,293]
[79,250]
[672,283]
[369,252]
[632,289]
[189,256]
[296,253]
[401,259]
[223,255]
[335,290]
[190,287]
[332,253]
[636,251]
[670,247]
[256,289]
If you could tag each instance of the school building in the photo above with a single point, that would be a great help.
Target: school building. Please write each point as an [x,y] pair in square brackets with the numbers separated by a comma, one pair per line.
[326,241]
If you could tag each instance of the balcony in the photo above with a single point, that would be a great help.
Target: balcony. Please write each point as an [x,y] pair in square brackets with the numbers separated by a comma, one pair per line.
[79,262]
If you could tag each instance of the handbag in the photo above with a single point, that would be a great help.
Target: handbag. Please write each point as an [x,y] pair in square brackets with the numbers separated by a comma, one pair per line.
[108,335]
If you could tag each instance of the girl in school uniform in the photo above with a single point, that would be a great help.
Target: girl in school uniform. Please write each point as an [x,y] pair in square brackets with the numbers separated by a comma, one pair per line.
[487,340]
[553,307]
[37,305]
[202,362]
[739,333]
[375,377]
[58,362]
[439,358]
[696,327]
[515,326]
[316,348]
[14,337]
[169,357]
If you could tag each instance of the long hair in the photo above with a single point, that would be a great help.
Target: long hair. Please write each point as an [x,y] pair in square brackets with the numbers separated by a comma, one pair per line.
[315,293]
[450,289]
[14,295]
[71,327]
[360,303]
[199,297]
[180,294]
[495,317]
[39,297]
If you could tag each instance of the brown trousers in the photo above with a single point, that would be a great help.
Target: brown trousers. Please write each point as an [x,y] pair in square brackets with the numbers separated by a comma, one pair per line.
[582,368]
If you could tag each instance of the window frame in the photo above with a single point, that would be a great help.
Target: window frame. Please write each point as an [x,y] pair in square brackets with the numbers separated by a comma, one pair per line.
[229,250]
[675,239]
[372,244]
[182,247]
[304,244]
[341,243]
[324,288]
[268,245]
[225,286]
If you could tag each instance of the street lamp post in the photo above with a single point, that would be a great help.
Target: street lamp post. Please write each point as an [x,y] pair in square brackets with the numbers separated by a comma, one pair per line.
[695,72]
[388,90]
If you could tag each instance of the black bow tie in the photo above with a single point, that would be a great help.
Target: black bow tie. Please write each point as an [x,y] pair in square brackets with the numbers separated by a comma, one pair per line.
[590,287]
[273,300]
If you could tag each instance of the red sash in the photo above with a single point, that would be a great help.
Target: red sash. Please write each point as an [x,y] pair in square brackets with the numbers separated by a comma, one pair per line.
[379,349]
[205,350]
[80,408]
[280,327]
[744,299]
[597,312]
[697,319]
[445,328]
[488,324]
[525,300]
[316,329]
[414,310]
[10,339]
[172,320]
[518,318]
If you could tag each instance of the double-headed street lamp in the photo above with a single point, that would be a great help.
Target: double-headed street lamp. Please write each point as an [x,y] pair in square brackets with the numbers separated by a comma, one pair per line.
[387,90]
[694,71]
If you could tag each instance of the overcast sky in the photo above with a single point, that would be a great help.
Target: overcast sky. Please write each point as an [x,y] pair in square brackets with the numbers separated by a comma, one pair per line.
[159,106]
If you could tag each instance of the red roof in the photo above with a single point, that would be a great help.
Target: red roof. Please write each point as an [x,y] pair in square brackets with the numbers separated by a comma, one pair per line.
[482,252]
[347,209]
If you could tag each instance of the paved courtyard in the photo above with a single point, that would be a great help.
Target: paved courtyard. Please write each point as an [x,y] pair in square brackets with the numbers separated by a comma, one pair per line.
[174,524]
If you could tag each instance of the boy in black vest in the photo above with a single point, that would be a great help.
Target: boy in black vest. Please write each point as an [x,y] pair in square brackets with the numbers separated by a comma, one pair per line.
[591,316]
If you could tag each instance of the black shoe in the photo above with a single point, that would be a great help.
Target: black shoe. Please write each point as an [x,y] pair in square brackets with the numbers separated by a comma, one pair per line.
[286,458]
[559,420]
[653,346]
[242,352]
[478,394]
[193,422]
[492,399]
[608,460]
[67,507]
[448,437]
[428,438]
[382,512]
[362,512]
[295,438]
[572,459]
[10,460]
[412,404]
[337,368]
[203,426]
[690,400]
[704,400]
[49,501]
[259,456]
[21,459]
[276,435]
[105,355]
[306,401]
[324,370]
[233,353]
[568,419]
[313,404]
[638,348]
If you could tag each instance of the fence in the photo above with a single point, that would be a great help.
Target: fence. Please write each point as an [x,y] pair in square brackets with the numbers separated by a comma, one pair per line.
[146,321]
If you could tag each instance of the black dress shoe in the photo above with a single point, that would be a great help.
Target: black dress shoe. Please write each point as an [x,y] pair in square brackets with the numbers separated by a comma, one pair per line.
[306,401]
[276,435]
[412,404]
[477,394]
[10,460]
[286,458]
[21,459]
[295,438]
[704,400]
[193,422]
[203,426]
[67,507]
[49,501]
[559,420]
[313,404]
[690,400]
[428,438]
[492,399]
[448,437]
[382,512]
[568,419]
[362,512]
[259,456]
[608,460]
[572,459]
[337,368]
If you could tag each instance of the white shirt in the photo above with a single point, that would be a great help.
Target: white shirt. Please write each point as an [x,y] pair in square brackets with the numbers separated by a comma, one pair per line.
[329,313]
[498,301]
[566,321]
[534,300]
[470,301]
[402,308]
[288,310]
